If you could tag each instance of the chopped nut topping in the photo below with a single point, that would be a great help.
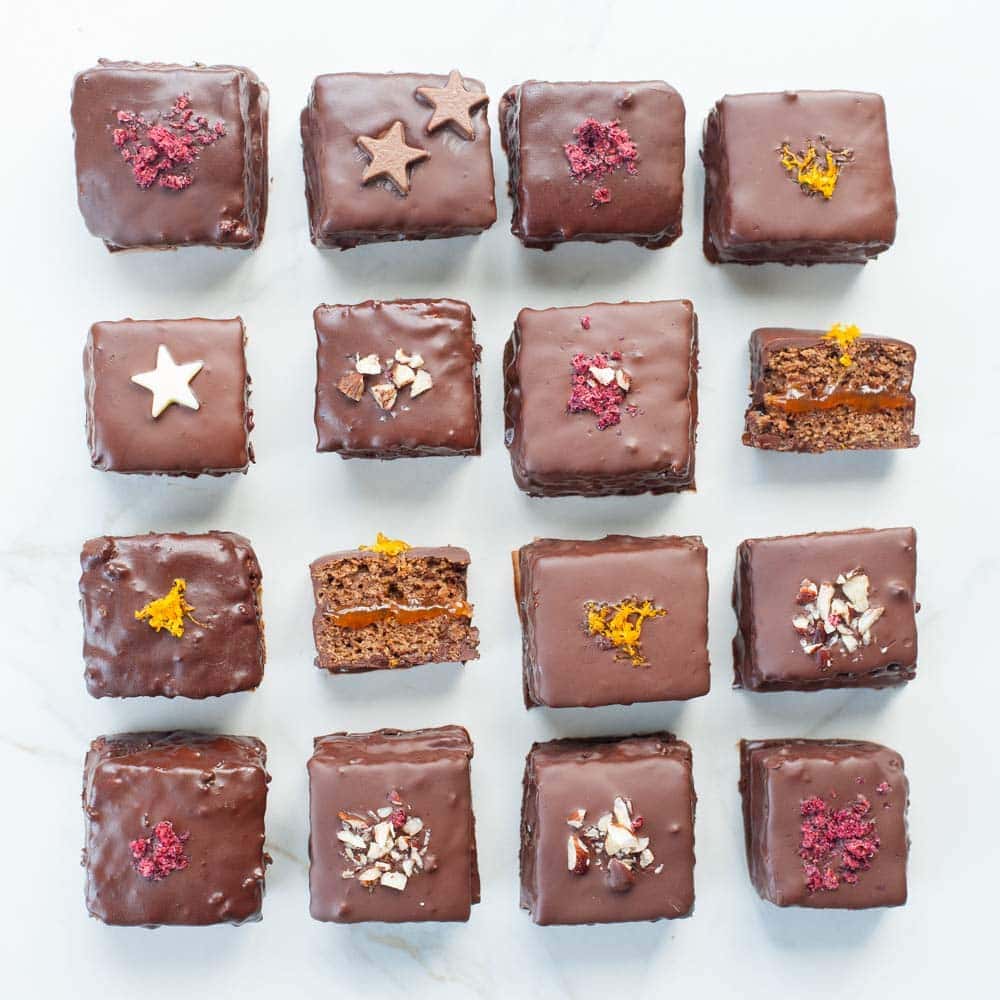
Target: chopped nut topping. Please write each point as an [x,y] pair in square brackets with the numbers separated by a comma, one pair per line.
[612,844]
[402,375]
[384,394]
[422,381]
[384,847]
[352,385]
[369,365]
[839,613]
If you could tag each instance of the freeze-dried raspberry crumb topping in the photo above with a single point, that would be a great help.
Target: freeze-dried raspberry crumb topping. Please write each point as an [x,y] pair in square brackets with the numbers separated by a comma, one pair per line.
[836,844]
[162,854]
[163,153]
[599,388]
[599,149]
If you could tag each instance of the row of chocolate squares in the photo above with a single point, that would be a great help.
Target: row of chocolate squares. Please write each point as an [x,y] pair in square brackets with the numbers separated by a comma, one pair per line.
[611,621]
[400,379]
[170,155]
[175,827]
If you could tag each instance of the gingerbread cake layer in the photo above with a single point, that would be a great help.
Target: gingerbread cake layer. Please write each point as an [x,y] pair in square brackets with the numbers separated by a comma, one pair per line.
[809,393]
[376,611]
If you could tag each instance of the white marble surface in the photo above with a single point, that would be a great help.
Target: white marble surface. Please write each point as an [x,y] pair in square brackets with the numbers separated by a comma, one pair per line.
[934,64]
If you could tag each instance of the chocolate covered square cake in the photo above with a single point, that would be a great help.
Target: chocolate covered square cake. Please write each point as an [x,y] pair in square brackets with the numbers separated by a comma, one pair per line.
[392,833]
[607,830]
[613,621]
[594,162]
[602,400]
[397,379]
[825,822]
[799,177]
[175,828]
[170,156]
[826,610]
[171,614]
[168,397]
[396,156]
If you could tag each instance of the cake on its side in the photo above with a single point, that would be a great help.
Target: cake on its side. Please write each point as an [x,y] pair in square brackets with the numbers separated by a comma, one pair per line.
[391,605]
[813,391]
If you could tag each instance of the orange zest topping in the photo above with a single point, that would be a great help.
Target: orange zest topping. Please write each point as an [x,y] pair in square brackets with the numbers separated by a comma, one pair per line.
[386,546]
[168,612]
[621,625]
[813,173]
[844,336]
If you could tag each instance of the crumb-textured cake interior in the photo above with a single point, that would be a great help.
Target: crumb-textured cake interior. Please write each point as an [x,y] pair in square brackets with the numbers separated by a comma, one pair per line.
[377,611]
[805,399]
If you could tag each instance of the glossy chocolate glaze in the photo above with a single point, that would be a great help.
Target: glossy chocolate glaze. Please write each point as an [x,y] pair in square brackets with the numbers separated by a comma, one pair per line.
[550,207]
[565,666]
[122,434]
[654,772]
[445,420]
[766,651]
[755,213]
[777,775]
[355,772]
[766,342]
[557,453]
[451,191]
[212,788]
[222,648]
[226,206]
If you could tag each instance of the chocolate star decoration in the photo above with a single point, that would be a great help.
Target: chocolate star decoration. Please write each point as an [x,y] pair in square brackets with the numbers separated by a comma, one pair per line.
[453,104]
[391,157]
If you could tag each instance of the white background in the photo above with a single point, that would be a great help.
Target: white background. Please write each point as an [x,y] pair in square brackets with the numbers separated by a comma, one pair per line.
[935,65]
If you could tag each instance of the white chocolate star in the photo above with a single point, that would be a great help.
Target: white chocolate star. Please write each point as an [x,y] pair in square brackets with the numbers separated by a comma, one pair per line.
[168,382]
